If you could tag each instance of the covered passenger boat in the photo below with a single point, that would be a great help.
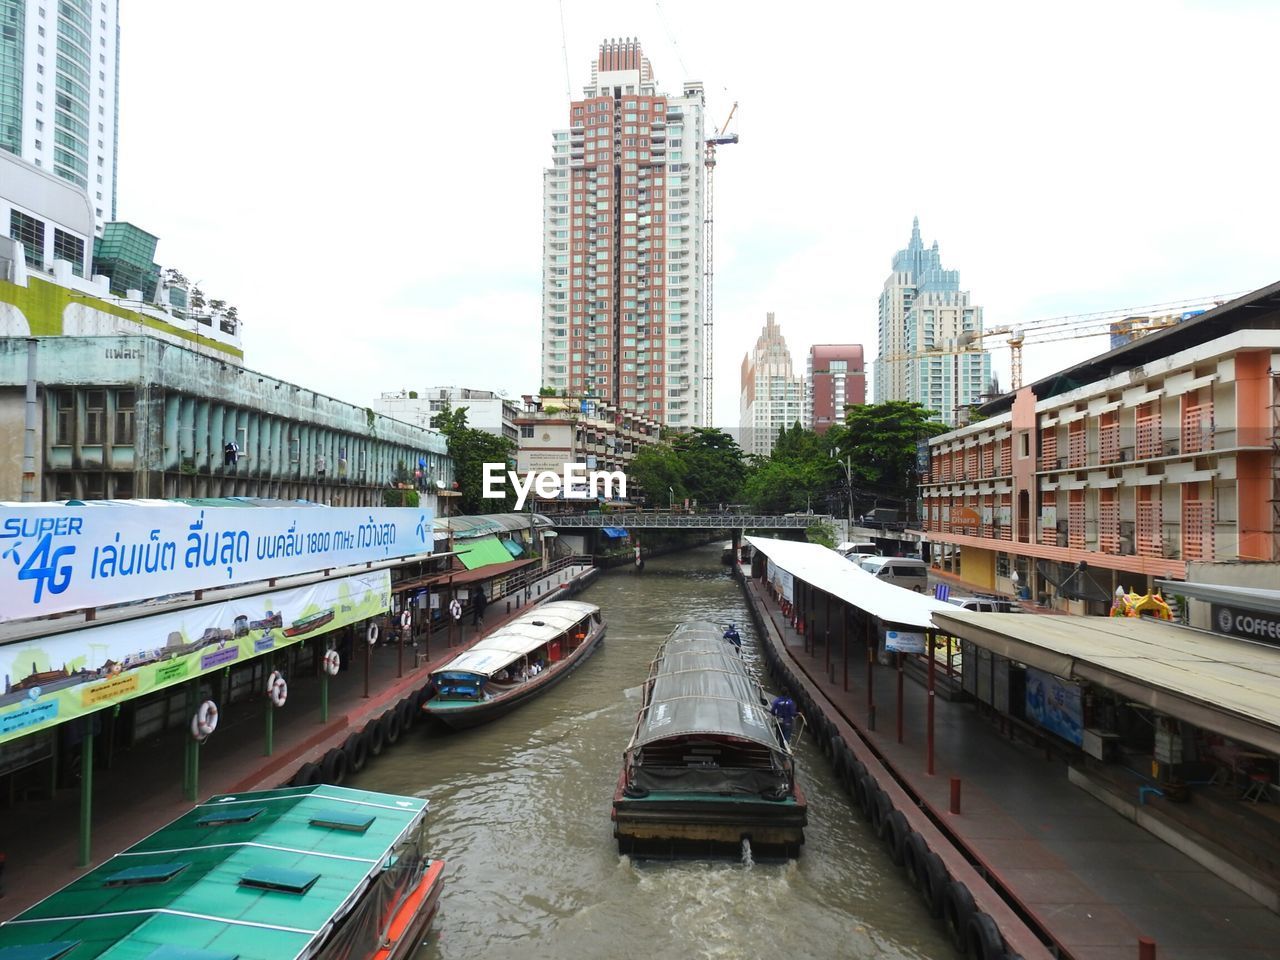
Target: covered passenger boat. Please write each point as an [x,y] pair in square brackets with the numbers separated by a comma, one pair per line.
[303,872]
[515,663]
[707,766]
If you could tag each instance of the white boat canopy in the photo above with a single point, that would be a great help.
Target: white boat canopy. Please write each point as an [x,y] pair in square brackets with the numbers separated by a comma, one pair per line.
[519,638]
[823,568]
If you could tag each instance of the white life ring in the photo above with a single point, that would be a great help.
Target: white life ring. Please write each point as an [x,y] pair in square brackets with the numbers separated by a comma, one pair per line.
[406,620]
[373,634]
[332,663]
[277,688]
[205,720]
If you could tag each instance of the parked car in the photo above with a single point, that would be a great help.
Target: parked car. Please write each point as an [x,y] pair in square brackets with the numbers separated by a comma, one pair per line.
[900,571]
[986,604]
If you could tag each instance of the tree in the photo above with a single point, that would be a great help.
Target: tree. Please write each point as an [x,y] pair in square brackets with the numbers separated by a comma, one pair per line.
[880,441]
[714,468]
[821,532]
[659,473]
[799,472]
[470,450]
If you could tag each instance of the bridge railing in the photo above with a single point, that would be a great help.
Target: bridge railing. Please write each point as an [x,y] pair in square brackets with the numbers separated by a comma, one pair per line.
[706,521]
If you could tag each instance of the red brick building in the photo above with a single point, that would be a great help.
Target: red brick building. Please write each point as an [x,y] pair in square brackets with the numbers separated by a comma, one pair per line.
[835,378]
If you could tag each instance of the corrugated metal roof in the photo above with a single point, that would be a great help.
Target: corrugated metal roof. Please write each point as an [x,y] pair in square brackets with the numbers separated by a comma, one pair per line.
[825,569]
[1214,682]
[700,685]
[1250,598]
[204,903]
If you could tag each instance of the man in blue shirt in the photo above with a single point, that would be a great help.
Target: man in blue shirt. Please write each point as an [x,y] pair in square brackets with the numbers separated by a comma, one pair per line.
[732,636]
[784,708]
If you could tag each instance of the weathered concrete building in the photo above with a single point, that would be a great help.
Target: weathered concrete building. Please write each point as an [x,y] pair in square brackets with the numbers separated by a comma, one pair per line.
[135,416]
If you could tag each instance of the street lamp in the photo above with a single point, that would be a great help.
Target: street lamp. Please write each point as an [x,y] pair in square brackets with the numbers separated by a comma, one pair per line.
[671,503]
[847,463]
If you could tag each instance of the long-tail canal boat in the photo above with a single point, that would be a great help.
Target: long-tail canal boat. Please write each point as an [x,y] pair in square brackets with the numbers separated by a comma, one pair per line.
[515,663]
[292,874]
[708,765]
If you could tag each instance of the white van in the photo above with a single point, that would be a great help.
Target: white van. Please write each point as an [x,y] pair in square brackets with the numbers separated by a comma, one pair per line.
[850,549]
[900,571]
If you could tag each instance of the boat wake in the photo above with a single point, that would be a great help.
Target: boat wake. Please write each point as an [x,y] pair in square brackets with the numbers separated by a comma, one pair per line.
[747,861]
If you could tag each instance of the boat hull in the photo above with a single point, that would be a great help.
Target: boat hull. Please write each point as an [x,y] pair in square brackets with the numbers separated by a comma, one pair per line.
[410,923]
[462,715]
[669,824]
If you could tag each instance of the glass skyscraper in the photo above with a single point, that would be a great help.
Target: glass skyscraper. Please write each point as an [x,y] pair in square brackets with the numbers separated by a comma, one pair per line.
[59,91]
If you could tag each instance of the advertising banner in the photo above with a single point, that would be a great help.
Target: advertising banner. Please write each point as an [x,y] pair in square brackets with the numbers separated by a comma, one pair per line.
[1055,704]
[60,677]
[782,580]
[1256,625]
[904,641]
[56,558]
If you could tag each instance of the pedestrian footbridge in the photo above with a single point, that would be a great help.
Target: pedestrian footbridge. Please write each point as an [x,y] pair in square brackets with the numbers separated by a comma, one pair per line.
[689,521]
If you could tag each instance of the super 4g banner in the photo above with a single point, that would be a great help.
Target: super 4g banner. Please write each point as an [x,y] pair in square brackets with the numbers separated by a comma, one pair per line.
[59,558]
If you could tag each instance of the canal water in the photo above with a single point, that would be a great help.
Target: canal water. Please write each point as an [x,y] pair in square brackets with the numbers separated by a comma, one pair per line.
[520,811]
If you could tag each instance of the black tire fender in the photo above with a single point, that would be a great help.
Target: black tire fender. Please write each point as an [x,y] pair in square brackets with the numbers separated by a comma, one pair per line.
[833,751]
[373,739]
[334,767]
[858,790]
[957,910]
[934,885]
[867,797]
[634,792]
[775,795]
[408,713]
[306,775]
[895,834]
[984,941]
[390,724]
[422,696]
[357,751]
[880,810]
[913,852]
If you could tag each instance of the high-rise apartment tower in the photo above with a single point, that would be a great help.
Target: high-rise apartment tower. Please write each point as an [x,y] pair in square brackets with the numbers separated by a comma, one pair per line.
[772,396]
[59,92]
[926,322]
[622,266]
[834,379]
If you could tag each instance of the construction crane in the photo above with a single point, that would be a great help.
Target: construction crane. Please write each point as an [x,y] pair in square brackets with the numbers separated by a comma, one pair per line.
[1133,321]
[720,139]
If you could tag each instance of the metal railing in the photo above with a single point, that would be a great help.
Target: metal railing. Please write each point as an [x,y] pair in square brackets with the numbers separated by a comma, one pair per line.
[706,521]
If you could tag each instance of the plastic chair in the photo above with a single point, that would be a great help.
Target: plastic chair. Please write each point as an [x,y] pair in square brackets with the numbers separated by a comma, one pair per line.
[1257,789]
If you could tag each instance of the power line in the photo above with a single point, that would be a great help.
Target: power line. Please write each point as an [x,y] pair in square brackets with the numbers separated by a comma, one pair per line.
[671,36]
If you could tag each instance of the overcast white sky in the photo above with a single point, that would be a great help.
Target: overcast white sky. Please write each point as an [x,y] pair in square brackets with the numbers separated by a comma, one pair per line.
[364,180]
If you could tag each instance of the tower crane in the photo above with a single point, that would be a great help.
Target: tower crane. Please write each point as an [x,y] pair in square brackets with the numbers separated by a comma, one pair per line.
[1140,320]
[720,139]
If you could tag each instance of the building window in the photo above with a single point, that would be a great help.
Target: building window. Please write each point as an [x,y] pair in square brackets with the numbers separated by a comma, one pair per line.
[95,413]
[65,405]
[126,401]
[124,486]
[68,247]
[526,431]
[28,231]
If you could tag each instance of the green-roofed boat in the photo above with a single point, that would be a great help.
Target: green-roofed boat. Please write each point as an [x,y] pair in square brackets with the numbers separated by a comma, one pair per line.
[303,872]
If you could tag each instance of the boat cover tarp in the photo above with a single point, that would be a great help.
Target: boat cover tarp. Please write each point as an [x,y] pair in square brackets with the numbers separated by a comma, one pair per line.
[514,547]
[701,685]
[519,638]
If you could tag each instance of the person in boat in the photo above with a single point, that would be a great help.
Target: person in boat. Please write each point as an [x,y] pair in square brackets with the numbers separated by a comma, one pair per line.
[733,636]
[784,708]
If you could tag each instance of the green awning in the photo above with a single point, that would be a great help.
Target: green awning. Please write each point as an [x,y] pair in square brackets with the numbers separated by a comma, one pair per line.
[482,552]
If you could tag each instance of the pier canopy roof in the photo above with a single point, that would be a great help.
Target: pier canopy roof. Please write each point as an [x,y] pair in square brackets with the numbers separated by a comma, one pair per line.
[824,569]
[1217,683]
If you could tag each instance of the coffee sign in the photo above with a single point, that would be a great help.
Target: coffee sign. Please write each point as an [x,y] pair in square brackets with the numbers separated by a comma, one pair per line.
[1250,624]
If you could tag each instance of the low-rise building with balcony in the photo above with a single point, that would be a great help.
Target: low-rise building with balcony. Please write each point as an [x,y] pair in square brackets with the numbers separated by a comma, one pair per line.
[559,430]
[1120,470]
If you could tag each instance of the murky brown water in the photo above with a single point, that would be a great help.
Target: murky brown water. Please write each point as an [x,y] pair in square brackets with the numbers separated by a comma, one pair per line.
[520,810]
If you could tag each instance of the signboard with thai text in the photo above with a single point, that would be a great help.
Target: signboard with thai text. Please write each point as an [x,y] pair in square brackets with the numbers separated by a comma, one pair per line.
[59,558]
[63,676]
[904,641]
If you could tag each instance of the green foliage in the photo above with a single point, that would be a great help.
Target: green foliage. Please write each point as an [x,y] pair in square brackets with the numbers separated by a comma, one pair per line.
[880,441]
[413,394]
[799,471]
[400,497]
[705,465]
[546,391]
[470,450]
[821,532]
